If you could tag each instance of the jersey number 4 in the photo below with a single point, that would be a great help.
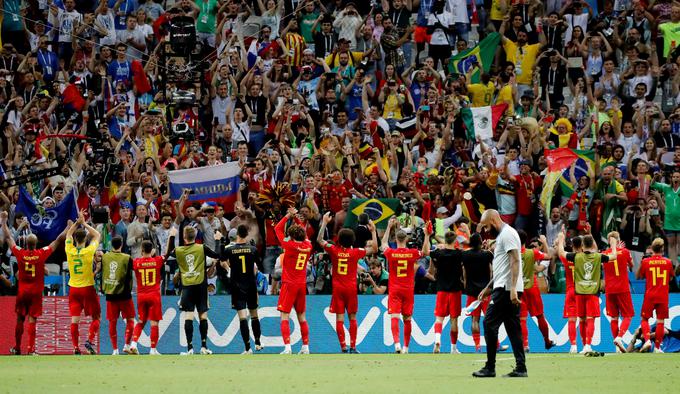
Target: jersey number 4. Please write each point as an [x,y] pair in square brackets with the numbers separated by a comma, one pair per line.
[28,267]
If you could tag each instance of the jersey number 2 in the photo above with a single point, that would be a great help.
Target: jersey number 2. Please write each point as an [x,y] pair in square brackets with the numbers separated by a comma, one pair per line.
[402,268]
[78,266]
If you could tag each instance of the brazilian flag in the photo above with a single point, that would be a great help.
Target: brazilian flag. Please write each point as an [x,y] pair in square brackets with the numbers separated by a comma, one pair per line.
[481,55]
[378,209]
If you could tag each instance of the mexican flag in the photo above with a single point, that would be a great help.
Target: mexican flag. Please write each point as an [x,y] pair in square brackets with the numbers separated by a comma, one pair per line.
[481,55]
[482,121]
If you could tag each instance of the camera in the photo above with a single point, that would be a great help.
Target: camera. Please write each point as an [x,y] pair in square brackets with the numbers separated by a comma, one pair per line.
[365,277]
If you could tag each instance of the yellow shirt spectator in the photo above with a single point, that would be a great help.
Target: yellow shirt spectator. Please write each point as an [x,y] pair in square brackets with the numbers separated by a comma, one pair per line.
[481,94]
[505,96]
[524,58]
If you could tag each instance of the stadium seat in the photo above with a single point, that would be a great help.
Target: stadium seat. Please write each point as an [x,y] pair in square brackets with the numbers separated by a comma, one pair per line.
[54,282]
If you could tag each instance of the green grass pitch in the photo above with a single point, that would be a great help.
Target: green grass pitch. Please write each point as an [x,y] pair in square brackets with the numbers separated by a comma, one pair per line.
[342,373]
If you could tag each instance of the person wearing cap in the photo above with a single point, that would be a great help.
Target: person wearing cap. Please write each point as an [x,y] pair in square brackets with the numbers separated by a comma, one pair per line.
[562,136]
[443,221]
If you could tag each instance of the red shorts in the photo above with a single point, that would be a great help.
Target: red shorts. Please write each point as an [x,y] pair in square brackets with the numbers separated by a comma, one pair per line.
[124,308]
[292,296]
[619,304]
[28,304]
[420,35]
[587,305]
[84,299]
[570,305]
[448,304]
[344,299]
[651,305]
[481,308]
[149,307]
[400,300]
[532,303]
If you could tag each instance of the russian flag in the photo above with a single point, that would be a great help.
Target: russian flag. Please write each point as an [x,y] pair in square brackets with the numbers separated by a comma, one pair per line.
[215,183]
[252,54]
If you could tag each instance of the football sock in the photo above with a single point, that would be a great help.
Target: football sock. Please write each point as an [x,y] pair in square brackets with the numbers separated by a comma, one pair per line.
[255,324]
[31,337]
[590,330]
[285,331]
[437,332]
[304,331]
[571,328]
[614,324]
[395,329]
[543,327]
[353,328]
[659,335]
[407,332]
[625,323]
[18,333]
[340,330]
[525,332]
[113,334]
[475,339]
[644,325]
[454,337]
[138,331]
[203,329]
[245,333]
[74,335]
[154,336]
[189,333]
[582,330]
[129,328]
[94,329]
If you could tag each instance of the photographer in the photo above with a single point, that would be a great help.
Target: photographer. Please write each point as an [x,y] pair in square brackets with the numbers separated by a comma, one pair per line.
[374,281]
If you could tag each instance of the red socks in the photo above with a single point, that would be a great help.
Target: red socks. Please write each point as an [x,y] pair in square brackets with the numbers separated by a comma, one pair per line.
[454,337]
[31,337]
[154,336]
[113,334]
[129,328]
[94,330]
[18,333]
[395,329]
[582,330]
[625,323]
[644,325]
[590,330]
[138,331]
[659,335]
[438,328]
[614,325]
[525,332]
[571,328]
[475,339]
[74,335]
[340,330]
[543,327]
[353,328]
[285,331]
[304,330]
[407,332]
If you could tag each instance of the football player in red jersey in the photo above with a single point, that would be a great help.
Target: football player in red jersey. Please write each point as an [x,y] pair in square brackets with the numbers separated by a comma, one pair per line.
[31,278]
[569,312]
[345,261]
[148,270]
[617,292]
[402,263]
[296,251]
[658,272]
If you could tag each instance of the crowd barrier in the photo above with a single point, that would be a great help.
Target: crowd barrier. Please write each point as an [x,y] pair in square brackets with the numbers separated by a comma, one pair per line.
[374,334]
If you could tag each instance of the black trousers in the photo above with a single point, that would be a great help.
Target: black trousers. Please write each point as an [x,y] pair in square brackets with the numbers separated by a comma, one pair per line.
[502,311]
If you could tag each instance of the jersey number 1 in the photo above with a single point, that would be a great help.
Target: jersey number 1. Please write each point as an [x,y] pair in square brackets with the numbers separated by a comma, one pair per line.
[243,263]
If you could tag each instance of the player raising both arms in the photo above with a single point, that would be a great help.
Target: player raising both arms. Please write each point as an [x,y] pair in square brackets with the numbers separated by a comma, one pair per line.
[148,269]
[296,251]
[533,260]
[477,274]
[31,278]
[82,295]
[402,263]
[241,258]
[117,287]
[658,273]
[617,292]
[569,312]
[345,261]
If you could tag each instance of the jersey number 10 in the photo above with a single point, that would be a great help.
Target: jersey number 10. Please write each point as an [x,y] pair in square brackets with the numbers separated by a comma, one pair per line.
[148,276]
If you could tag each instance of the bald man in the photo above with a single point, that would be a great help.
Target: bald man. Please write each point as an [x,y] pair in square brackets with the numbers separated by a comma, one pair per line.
[506,289]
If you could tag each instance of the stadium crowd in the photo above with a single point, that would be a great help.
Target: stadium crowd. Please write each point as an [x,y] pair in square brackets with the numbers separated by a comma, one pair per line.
[324,103]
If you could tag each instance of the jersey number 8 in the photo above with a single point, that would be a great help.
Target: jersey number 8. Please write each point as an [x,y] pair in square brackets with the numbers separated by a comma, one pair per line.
[301,260]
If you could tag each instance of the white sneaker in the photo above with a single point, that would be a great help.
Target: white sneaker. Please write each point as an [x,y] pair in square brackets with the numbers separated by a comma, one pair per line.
[397,348]
[404,350]
[287,350]
[573,349]
[115,353]
[646,346]
[586,349]
[126,349]
[454,349]
[205,351]
[258,348]
[249,351]
[658,350]
[190,352]
[437,348]
[304,349]
[133,350]
[154,352]
[618,342]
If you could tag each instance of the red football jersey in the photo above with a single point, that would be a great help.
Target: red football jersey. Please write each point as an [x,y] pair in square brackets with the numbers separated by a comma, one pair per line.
[401,263]
[568,273]
[295,257]
[31,271]
[148,273]
[616,272]
[658,272]
[345,263]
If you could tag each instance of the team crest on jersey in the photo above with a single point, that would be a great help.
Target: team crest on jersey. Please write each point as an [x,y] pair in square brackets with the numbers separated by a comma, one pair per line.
[588,271]
[113,267]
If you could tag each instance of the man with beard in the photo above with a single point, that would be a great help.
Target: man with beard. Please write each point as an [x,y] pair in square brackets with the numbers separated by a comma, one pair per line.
[610,194]
[391,42]
[523,56]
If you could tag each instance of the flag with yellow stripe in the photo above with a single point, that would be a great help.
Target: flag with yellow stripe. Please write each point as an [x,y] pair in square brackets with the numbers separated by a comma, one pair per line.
[378,209]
